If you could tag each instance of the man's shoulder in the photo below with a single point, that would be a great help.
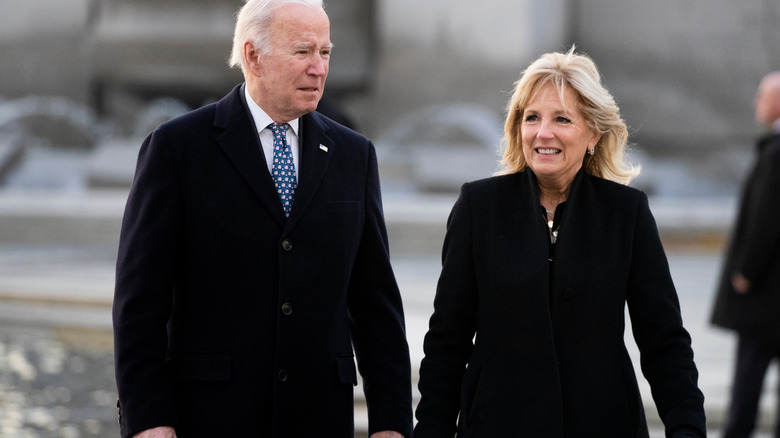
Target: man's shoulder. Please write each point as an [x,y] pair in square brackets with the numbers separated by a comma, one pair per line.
[341,136]
[218,113]
[200,116]
[770,149]
[331,126]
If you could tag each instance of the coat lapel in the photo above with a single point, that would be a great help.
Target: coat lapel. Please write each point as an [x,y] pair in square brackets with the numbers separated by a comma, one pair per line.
[531,213]
[316,152]
[241,145]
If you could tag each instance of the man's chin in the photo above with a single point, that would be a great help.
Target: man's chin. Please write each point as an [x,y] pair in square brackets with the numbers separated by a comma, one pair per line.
[311,106]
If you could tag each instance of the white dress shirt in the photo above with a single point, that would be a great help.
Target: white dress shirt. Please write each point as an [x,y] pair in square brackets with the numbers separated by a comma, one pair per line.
[262,119]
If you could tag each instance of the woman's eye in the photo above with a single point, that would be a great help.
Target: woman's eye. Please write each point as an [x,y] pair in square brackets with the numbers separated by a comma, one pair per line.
[531,118]
[561,119]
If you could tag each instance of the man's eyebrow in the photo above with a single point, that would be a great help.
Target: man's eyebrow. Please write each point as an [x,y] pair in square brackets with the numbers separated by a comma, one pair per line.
[304,45]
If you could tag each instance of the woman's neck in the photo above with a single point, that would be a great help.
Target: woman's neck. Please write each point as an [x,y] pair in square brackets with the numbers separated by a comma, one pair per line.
[552,195]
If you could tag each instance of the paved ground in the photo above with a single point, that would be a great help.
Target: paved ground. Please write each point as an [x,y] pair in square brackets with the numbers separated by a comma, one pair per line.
[55,347]
[56,376]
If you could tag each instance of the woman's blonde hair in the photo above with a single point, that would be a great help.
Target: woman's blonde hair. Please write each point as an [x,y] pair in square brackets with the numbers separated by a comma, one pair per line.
[598,106]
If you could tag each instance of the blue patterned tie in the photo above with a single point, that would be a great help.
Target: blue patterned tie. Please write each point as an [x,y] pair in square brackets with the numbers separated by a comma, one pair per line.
[283,168]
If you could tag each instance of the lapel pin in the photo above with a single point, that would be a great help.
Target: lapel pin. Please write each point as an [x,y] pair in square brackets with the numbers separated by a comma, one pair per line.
[324,148]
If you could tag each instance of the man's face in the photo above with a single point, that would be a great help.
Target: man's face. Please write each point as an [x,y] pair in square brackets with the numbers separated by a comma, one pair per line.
[290,78]
[767,102]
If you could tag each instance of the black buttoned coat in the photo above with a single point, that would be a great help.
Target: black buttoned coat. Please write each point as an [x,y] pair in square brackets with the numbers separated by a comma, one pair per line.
[231,320]
[520,347]
[754,251]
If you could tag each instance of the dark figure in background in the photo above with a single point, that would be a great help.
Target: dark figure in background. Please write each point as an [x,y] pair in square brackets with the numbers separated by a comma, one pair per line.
[539,263]
[233,315]
[748,300]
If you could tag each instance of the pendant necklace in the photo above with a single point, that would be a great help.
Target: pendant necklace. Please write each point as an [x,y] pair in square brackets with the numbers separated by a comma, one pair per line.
[553,233]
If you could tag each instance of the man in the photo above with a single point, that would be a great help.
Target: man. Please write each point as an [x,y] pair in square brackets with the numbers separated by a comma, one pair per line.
[749,295]
[243,286]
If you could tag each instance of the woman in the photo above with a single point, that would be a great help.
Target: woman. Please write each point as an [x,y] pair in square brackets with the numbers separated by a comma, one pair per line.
[539,262]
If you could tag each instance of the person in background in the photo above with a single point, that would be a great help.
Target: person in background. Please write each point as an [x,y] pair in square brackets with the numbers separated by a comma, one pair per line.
[253,259]
[539,262]
[748,299]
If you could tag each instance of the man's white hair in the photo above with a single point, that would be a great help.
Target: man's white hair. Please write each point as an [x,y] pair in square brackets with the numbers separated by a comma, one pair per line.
[253,23]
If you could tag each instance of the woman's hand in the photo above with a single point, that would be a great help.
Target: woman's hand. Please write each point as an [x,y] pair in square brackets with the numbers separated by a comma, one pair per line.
[157,432]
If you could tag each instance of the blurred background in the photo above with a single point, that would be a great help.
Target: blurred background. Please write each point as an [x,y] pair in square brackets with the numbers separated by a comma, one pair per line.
[82,82]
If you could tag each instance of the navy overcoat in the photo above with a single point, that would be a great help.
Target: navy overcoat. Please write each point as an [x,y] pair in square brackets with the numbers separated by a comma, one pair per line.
[231,320]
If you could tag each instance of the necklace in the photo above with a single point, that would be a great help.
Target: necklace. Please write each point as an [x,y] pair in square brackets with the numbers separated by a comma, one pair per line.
[553,233]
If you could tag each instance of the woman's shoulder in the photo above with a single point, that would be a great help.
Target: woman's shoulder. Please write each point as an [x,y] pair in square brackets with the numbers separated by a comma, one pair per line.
[611,193]
[495,182]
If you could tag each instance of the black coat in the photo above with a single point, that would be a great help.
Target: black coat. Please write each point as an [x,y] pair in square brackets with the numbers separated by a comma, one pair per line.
[262,312]
[549,358]
[754,251]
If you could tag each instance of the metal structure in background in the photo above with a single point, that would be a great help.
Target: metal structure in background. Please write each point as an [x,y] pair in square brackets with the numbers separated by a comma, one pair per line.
[129,65]
[116,56]
[147,49]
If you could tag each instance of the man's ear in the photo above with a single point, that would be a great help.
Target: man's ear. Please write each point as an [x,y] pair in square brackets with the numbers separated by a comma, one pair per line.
[252,58]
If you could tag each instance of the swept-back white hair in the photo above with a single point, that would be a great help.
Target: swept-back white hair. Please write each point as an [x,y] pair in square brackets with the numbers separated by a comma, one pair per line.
[253,23]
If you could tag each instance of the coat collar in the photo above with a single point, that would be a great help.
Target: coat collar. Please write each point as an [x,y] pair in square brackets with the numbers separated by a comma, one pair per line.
[767,139]
[240,143]
[574,218]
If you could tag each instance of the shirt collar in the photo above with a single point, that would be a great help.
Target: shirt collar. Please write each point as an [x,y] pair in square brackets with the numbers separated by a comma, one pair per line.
[261,118]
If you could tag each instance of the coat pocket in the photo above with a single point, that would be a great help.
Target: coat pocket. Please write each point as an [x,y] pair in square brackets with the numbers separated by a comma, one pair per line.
[201,366]
[345,366]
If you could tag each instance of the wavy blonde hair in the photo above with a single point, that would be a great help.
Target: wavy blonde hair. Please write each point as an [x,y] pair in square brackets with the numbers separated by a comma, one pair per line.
[579,72]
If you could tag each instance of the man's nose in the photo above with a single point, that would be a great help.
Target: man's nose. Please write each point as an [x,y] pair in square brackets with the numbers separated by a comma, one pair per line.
[318,65]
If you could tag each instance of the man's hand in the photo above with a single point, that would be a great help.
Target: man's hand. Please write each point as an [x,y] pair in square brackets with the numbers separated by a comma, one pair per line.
[740,283]
[386,434]
[157,432]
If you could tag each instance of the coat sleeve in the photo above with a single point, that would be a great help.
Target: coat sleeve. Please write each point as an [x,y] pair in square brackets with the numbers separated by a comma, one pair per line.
[761,244]
[143,291]
[448,343]
[377,320]
[664,345]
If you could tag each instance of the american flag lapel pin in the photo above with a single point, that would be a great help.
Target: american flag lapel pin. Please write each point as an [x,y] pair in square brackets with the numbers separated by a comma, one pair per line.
[324,148]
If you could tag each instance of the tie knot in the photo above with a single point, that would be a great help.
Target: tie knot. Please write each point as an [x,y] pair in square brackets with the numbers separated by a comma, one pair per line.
[278,129]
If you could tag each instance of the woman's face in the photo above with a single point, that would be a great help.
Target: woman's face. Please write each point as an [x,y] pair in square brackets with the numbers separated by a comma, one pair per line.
[555,136]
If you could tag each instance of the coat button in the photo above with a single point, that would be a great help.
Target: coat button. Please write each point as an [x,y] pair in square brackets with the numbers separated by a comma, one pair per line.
[282,375]
[287,244]
[287,309]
